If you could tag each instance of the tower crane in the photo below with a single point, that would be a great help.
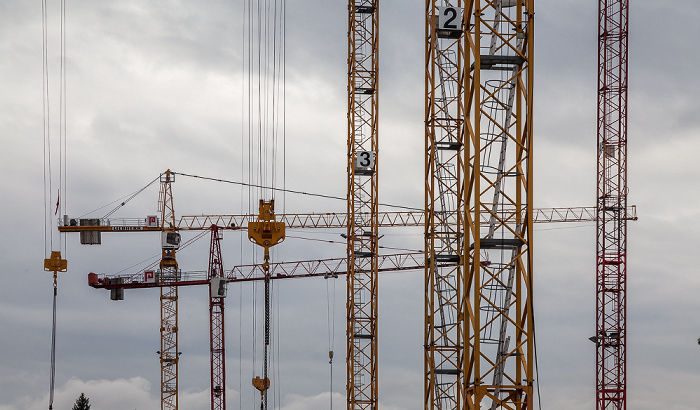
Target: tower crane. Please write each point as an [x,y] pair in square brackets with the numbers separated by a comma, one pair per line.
[169,278]
[362,205]
[479,317]
[217,345]
[479,335]
[611,245]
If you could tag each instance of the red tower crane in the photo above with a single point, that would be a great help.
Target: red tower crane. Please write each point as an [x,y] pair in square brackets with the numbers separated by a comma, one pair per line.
[217,293]
[611,249]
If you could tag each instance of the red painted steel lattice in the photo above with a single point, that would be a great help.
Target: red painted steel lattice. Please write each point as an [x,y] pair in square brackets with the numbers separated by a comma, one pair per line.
[216,326]
[611,332]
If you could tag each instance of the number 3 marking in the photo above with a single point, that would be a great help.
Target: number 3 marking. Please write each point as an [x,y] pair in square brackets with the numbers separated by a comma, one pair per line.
[364,159]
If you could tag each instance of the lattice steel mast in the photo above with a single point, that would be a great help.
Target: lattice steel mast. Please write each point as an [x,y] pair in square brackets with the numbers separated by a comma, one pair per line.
[446,69]
[168,274]
[362,227]
[611,250]
[217,346]
[478,127]
[499,327]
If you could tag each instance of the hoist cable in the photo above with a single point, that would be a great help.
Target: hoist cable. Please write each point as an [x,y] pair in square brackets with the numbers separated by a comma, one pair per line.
[132,196]
[278,385]
[62,146]
[263,404]
[48,233]
[331,333]
[53,344]
[291,191]
[263,65]
[47,168]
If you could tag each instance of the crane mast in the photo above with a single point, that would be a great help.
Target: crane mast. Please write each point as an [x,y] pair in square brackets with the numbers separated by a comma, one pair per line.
[217,345]
[169,274]
[446,69]
[611,249]
[479,324]
[362,221]
[479,331]
[499,332]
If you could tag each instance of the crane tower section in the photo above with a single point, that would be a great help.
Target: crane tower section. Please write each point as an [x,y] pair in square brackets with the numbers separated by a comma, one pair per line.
[479,325]
[217,293]
[611,249]
[445,222]
[362,224]
[169,274]
[500,342]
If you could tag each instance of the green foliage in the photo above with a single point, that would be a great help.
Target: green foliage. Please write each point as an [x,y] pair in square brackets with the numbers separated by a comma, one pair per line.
[82,403]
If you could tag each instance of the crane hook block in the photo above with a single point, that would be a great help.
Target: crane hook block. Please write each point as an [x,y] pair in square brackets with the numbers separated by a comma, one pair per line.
[55,263]
[266,231]
[261,384]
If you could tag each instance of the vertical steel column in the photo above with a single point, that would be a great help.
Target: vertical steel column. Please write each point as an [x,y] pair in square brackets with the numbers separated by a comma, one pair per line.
[169,273]
[216,323]
[445,131]
[611,286]
[362,231]
[499,344]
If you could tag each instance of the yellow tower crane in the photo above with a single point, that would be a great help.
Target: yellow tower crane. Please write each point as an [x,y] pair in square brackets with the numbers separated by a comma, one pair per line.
[478,213]
[479,318]
[362,223]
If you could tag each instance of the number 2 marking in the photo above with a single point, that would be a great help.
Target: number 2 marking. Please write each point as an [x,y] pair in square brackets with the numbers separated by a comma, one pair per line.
[448,23]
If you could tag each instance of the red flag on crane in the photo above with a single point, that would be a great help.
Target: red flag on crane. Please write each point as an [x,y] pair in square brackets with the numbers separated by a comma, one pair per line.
[58,200]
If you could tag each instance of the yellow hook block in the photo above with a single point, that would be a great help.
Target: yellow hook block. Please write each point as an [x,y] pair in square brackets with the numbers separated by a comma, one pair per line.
[261,384]
[266,231]
[55,263]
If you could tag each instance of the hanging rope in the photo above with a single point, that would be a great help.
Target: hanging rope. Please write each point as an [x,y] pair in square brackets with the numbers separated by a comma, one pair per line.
[55,263]
[52,383]
[48,186]
[264,62]
[284,190]
[331,331]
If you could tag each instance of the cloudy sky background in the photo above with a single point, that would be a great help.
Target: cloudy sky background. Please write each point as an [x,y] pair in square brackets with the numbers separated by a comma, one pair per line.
[153,85]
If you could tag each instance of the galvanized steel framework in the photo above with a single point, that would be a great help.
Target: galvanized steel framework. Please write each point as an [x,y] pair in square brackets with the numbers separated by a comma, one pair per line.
[479,332]
[611,330]
[362,227]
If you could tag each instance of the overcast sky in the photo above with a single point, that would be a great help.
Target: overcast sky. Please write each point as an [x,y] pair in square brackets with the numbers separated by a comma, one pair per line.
[156,84]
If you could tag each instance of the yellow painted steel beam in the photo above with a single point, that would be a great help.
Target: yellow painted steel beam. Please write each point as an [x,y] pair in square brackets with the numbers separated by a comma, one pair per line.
[327,220]
[498,333]
[445,208]
[169,354]
[362,206]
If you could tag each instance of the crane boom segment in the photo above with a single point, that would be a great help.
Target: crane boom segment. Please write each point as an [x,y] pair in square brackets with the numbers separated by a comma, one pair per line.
[242,273]
[325,220]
